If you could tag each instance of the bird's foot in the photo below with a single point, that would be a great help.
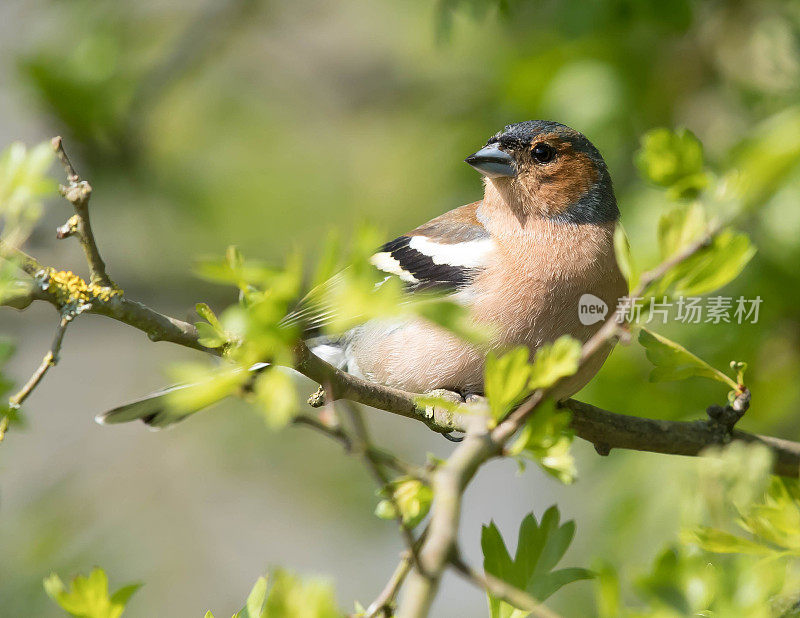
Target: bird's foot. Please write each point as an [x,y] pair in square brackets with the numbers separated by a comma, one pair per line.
[446,395]
[447,403]
[443,402]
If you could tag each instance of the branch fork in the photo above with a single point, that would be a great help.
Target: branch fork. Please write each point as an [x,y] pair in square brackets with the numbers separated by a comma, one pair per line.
[78,192]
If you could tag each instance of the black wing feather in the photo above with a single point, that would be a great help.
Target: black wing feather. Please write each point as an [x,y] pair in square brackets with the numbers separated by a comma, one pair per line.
[429,275]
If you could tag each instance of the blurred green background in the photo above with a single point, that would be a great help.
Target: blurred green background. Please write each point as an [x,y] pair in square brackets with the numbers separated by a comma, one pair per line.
[266,124]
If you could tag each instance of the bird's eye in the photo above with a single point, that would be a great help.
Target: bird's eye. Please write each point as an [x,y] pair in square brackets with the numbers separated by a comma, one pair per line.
[542,153]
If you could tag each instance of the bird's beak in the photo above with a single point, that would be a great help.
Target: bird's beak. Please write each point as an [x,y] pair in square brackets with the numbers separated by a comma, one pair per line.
[493,162]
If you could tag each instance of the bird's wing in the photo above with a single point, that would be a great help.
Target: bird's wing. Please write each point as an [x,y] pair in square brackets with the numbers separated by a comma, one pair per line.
[444,255]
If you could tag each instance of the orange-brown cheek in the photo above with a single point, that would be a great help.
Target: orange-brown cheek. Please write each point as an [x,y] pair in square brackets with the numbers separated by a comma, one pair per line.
[566,182]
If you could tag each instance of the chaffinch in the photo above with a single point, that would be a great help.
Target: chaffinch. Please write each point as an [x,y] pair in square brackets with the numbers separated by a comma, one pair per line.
[521,259]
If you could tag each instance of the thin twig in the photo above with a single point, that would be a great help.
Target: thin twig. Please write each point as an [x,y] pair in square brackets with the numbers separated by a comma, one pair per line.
[376,468]
[337,433]
[384,600]
[346,441]
[77,193]
[502,589]
[50,359]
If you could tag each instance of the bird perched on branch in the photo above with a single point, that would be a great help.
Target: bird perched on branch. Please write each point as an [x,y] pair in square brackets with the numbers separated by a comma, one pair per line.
[520,259]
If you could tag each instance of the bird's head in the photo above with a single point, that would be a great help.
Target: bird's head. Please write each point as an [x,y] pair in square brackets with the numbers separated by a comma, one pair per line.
[548,169]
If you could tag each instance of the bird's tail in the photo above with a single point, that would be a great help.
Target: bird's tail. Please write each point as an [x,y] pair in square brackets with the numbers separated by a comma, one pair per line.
[155,411]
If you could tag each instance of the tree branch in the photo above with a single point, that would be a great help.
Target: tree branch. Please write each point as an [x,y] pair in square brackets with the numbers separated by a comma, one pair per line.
[383,601]
[77,193]
[607,430]
[449,483]
[346,386]
[601,427]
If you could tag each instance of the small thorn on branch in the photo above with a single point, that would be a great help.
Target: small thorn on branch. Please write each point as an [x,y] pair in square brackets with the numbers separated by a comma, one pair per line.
[602,449]
[69,228]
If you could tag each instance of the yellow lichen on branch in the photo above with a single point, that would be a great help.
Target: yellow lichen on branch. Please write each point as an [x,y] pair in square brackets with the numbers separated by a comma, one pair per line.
[70,289]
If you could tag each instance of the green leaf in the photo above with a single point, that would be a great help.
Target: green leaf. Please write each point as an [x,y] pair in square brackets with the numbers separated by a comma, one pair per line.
[413,498]
[385,510]
[234,258]
[540,546]
[674,362]
[124,594]
[767,158]
[209,336]
[688,582]
[284,595]
[733,477]
[680,227]
[545,439]
[88,597]
[555,361]
[622,250]
[674,160]
[507,380]
[256,280]
[430,402]
[607,590]
[254,607]
[330,261]
[721,542]
[276,396]
[775,518]
[289,597]
[23,182]
[714,266]
[205,386]
[555,580]
[452,316]
[510,378]
[666,583]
